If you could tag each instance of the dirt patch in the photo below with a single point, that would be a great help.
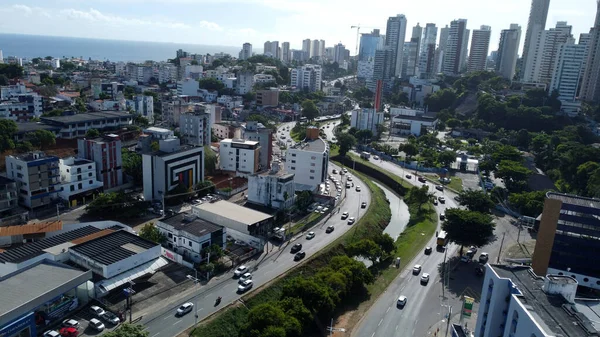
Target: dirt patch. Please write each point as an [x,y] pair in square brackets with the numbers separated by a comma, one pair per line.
[522,250]
[224,181]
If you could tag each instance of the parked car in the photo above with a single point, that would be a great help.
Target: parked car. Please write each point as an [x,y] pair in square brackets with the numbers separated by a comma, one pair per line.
[299,256]
[422,180]
[416,269]
[428,250]
[96,310]
[184,309]
[246,276]
[110,318]
[296,248]
[96,324]
[349,178]
[70,323]
[344,215]
[310,235]
[239,271]
[408,176]
[245,286]
[334,171]
[376,157]
[69,332]
[329,229]
[425,278]
[401,301]
[484,257]
[51,333]
[351,221]
[435,202]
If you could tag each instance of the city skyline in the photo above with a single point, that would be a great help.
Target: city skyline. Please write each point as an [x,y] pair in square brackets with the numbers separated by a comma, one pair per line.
[260,21]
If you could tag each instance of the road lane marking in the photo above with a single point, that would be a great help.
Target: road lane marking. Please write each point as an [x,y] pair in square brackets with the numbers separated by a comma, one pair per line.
[380,322]
[156,334]
[373,334]
[179,321]
[388,309]
[167,317]
[396,327]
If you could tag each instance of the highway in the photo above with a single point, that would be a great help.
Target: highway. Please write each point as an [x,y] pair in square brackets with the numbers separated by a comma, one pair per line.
[385,318]
[329,130]
[163,322]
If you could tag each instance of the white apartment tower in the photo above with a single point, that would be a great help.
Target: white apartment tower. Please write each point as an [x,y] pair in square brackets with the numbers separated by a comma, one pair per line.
[508,49]
[543,52]
[271,49]
[567,74]
[590,87]
[480,45]
[427,51]
[246,51]
[394,38]
[314,48]
[537,23]
[455,52]
[321,48]
[286,55]
[308,76]
[441,50]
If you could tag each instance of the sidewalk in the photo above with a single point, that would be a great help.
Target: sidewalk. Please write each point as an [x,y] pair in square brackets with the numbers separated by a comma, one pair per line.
[444,327]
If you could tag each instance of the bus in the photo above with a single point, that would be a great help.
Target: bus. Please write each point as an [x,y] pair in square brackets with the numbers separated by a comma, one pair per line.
[442,239]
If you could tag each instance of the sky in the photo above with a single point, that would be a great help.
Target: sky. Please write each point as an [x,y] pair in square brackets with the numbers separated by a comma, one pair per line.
[233,22]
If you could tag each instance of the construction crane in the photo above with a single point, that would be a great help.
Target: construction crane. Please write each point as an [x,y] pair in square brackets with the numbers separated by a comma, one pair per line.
[357,27]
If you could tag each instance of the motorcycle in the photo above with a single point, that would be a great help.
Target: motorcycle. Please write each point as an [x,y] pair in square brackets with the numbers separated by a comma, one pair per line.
[218,301]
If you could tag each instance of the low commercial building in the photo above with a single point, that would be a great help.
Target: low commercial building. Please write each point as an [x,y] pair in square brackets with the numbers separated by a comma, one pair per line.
[239,156]
[78,181]
[517,302]
[242,223]
[172,165]
[37,176]
[415,122]
[366,119]
[308,161]
[274,188]
[74,126]
[267,97]
[105,151]
[188,235]
[566,238]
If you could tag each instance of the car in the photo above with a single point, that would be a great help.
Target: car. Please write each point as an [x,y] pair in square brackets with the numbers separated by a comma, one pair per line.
[466,258]
[299,256]
[310,235]
[351,220]
[344,215]
[416,269]
[68,332]
[425,278]
[246,276]
[408,176]
[479,271]
[442,216]
[421,179]
[376,157]
[435,202]
[363,204]
[442,199]
[401,301]
[96,310]
[483,258]
[296,248]
[329,229]
[349,178]
[51,333]
[70,323]
[334,171]
[474,249]
[345,170]
[96,324]
[239,271]
[184,309]
[428,250]
[439,187]
[245,286]
[357,188]
[110,318]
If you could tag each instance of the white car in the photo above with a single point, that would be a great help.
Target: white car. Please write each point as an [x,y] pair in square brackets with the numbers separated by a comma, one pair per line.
[69,322]
[310,235]
[245,286]
[51,333]
[416,269]
[351,221]
[185,308]
[96,324]
[110,318]
[240,271]
[96,310]
[425,278]
[357,188]
[344,215]
[401,301]
[247,276]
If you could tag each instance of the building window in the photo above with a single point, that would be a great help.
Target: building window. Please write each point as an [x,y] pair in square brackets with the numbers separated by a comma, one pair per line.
[313,157]
[90,174]
[312,178]
[293,154]
[170,235]
[312,171]
[91,182]
[312,164]
[293,167]
[72,188]
[293,162]
[174,239]
[79,186]
[89,167]
[190,243]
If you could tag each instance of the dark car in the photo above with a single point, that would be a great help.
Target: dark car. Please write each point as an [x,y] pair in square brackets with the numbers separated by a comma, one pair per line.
[428,250]
[296,248]
[329,229]
[299,256]
[479,271]
[421,179]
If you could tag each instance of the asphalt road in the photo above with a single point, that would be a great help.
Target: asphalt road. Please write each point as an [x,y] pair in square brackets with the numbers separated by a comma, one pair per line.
[329,130]
[165,324]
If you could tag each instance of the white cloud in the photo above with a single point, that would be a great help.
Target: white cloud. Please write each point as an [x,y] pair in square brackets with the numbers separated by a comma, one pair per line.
[23,8]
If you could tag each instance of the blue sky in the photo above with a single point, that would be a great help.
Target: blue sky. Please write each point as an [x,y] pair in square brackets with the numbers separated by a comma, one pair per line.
[233,22]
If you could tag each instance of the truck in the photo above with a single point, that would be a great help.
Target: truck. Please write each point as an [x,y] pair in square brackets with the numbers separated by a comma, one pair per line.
[365,155]
[442,239]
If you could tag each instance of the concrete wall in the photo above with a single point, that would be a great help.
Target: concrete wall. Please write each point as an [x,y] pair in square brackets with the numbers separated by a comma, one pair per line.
[545,237]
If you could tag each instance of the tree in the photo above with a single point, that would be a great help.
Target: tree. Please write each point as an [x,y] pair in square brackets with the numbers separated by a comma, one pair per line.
[24,146]
[303,200]
[92,133]
[409,149]
[152,233]
[365,248]
[446,158]
[115,205]
[141,121]
[11,70]
[268,319]
[43,138]
[7,130]
[204,188]
[132,166]
[345,142]
[215,251]
[453,123]
[154,146]
[314,294]
[487,166]
[128,330]
[507,152]
[211,84]
[210,160]
[128,92]
[363,135]
[309,109]
[53,113]
[345,119]
[528,203]
[514,174]
[3,79]
[467,228]
[178,194]
[294,307]
[419,196]
[475,200]
[442,99]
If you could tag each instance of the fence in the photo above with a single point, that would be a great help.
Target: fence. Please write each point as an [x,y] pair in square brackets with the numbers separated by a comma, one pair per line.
[177,258]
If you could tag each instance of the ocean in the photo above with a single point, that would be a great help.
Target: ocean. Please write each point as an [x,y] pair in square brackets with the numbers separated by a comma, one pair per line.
[30,46]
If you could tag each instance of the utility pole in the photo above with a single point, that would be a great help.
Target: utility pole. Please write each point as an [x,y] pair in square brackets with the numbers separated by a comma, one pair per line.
[207,271]
[501,244]
[331,329]
[445,271]
[196,281]
[57,213]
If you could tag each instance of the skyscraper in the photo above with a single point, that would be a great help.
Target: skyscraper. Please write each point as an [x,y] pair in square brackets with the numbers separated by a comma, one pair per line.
[394,38]
[286,56]
[480,45]
[246,51]
[455,53]
[339,53]
[441,50]
[567,73]
[537,22]
[543,53]
[321,48]
[427,51]
[508,51]
[271,49]
[314,48]
[369,43]
[306,48]
[409,60]
[383,69]
[590,86]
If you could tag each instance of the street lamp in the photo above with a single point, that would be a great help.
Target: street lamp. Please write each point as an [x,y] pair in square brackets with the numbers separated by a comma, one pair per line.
[196,281]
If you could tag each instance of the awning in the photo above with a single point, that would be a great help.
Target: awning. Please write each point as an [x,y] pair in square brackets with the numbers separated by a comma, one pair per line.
[150,267]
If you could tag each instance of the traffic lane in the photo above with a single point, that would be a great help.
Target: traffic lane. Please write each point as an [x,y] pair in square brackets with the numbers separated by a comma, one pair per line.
[166,324]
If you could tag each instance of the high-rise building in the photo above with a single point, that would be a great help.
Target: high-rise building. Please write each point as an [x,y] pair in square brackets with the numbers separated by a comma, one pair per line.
[409,60]
[394,38]
[37,176]
[246,51]
[369,43]
[314,48]
[105,151]
[306,48]
[567,74]
[286,56]
[417,35]
[339,53]
[455,53]
[321,48]
[383,69]
[506,60]
[441,50]
[537,23]
[308,76]
[543,52]
[590,86]
[272,49]
[427,51]
[480,45]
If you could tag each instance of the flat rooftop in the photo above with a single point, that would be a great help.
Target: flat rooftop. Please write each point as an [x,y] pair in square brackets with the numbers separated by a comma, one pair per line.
[157,130]
[234,212]
[113,247]
[574,199]
[554,314]
[87,117]
[315,145]
[191,224]
[182,148]
[239,141]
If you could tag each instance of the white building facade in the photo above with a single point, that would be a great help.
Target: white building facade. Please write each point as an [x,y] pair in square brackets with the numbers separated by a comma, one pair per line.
[568,74]
[309,162]
[78,179]
[239,156]
[308,76]
[275,188]
[195,128]
[366,119]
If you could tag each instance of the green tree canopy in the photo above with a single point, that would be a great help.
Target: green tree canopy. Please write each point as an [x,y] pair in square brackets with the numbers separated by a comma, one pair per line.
[314,295]
[152,233]
[211,83]
[115,206]
[409,149]
[345,141]
[42,139]
[128,330]
[132,166]
[309,109]
[467,228]
[92,133]
[514,174]
[445,158]
[475,200]
[528,203]
[7,130]
[365,248]
[419,196]
[303,200]
[210,160]
[11,70]
[442,99]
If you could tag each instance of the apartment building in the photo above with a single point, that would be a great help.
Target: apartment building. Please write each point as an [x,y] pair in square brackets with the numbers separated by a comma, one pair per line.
[105,152]
[366,119]
[267,97]
[37,176]
[8,195]
[78,125]
[307,77]
[21,107]
[195,128]
[143,106]
[308,161]
[78,181]
[274,188]
[239,156]
[255,131]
